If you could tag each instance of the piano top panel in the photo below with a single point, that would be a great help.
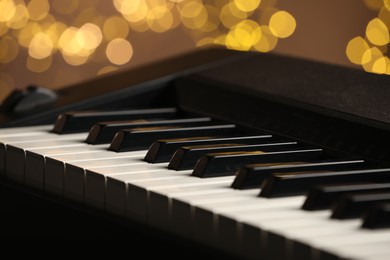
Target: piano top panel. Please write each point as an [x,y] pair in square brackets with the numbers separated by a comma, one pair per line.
[346,92]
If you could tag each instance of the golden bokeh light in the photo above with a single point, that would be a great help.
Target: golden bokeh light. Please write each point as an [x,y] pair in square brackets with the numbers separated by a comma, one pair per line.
[377,32]
[119,51]
[230,15]
[376,62]
[358,51]
[43,29]
[384,16]
[370,50]
[75,59]
[89,36]
[38,9]
[7,10]
[3,28]
[247,5]
[374,4]
[41,46]
[244,35]
[27,33]
[282,24]
[115,27]
[213,21]
[20,17]
[9,49]
[268,40]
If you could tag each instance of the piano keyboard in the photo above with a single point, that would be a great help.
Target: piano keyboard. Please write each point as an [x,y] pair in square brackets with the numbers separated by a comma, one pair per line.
[257,156]
[240,191]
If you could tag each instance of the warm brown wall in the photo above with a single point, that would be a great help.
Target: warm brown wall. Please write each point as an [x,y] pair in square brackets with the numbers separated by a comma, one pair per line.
[324,28]
[323,31]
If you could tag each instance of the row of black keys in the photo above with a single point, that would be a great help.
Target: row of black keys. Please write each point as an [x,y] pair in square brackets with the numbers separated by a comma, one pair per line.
[281,167]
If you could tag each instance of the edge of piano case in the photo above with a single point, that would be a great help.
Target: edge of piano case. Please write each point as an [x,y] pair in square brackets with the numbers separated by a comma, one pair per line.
[337,108]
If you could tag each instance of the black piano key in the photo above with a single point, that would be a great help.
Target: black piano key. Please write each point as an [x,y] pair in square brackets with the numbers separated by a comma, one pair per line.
[251,176]
[323,196]
[104,132]
[298,183]
[162,150]
[377,216]
[76,122]
[222,164]
[142,138]
[354,205]
[185,158]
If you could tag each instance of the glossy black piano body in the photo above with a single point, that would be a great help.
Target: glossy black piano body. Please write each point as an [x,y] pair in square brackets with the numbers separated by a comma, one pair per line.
[342,110]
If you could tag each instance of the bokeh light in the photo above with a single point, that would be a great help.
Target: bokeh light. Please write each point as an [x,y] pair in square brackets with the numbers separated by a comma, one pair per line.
[119,51]
[79,32]
[370,50]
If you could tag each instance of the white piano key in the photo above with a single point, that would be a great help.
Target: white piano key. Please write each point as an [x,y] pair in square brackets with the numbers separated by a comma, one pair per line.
[36,159]
[17,132]
[15,155]
[55,166]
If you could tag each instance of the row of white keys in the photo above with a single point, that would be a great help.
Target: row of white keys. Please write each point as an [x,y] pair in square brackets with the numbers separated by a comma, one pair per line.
[31,136]
[155,186]
[72,161]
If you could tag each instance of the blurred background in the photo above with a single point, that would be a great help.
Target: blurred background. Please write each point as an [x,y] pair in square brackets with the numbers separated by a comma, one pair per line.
[57,43]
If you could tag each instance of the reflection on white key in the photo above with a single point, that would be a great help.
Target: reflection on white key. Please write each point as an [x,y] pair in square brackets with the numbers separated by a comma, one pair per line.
[297,239]
[160,200]
[42,137]
[183,206]
[95,180]
[138,191]
[222,218]
[358,242]
[375,256]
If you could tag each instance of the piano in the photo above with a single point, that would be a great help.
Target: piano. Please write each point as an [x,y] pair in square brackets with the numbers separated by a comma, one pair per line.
[217,152]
